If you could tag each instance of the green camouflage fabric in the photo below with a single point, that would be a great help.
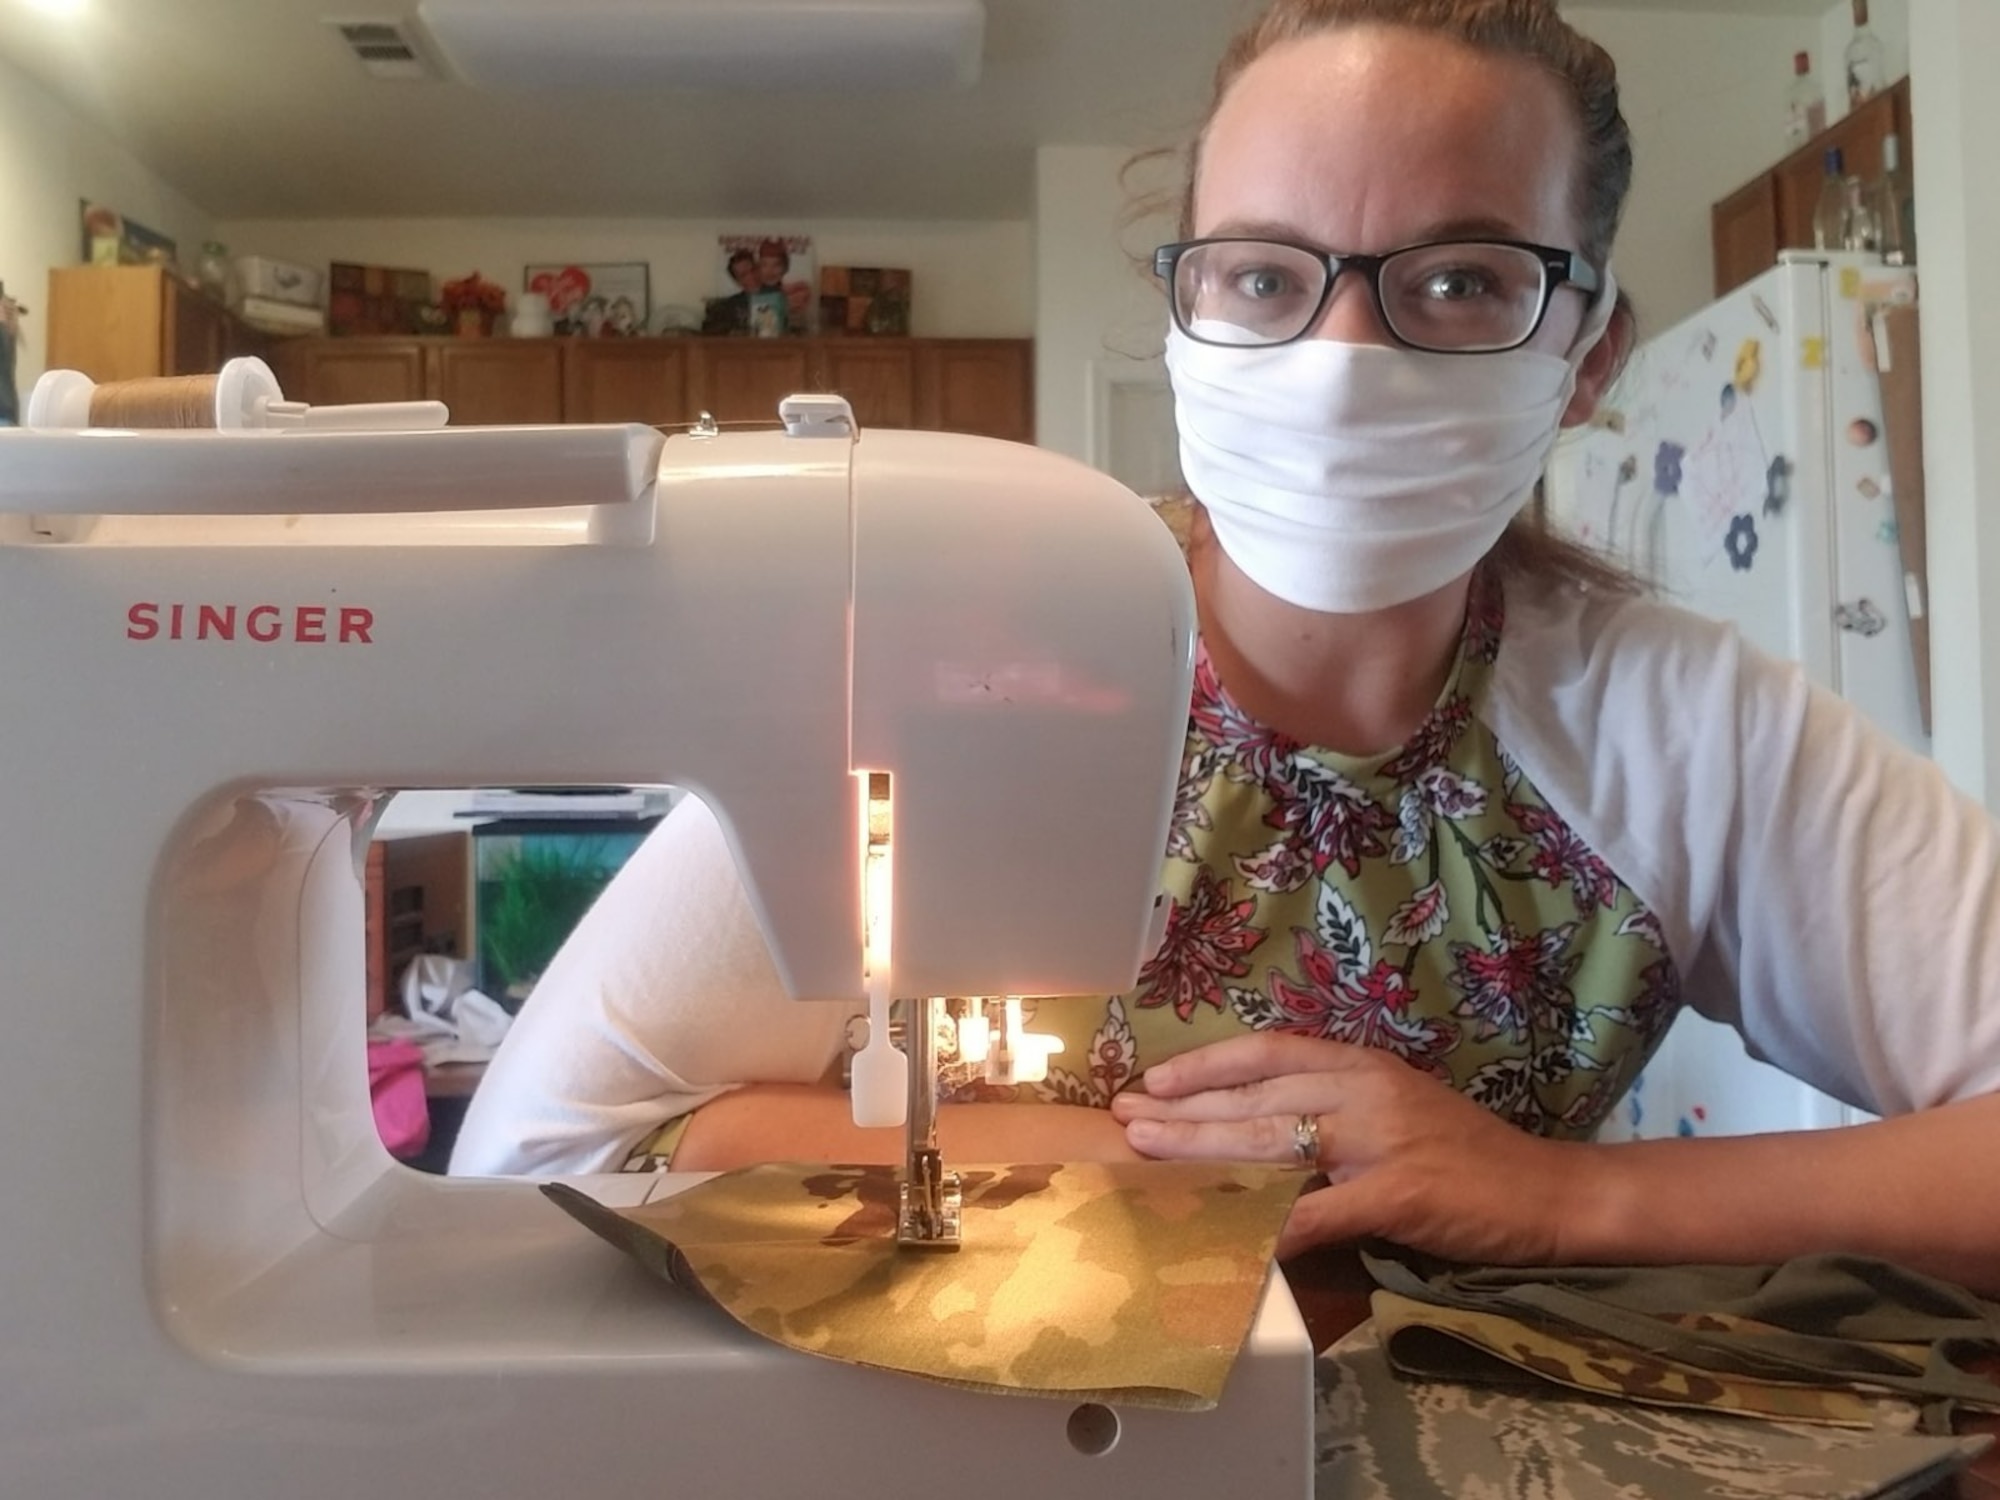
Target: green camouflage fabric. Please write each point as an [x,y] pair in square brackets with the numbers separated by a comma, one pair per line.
[1132,1283]
[1379,1436]
[1841,1323]
[1444,1343]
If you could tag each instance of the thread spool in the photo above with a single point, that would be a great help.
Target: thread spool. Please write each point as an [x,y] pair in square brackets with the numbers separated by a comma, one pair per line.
[233,400]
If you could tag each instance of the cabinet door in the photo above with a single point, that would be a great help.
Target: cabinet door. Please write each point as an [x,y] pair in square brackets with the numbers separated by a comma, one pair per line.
[1859,137]
[1745,226]
[343,372]
[194,332]
[625,380]
[498,382]
[981,386]
[743,380]
[879,381]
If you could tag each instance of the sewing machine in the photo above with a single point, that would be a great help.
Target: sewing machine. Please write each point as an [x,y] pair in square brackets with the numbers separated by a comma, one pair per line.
[224,647]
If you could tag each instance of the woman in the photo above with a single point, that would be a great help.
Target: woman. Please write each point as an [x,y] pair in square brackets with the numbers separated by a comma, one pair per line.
[1430,969]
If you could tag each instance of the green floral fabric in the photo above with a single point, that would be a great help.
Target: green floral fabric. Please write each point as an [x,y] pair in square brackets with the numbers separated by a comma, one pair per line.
[1427,902]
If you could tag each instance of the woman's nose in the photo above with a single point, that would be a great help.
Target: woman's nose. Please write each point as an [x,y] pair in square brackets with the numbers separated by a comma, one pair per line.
[1350,315]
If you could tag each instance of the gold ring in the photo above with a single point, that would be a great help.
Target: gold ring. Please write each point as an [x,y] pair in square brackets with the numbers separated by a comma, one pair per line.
[1305,1142]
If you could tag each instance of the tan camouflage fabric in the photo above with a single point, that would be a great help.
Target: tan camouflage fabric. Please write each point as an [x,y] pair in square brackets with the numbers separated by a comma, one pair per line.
[1444,1343]
[1379,1436]
[1130,1283]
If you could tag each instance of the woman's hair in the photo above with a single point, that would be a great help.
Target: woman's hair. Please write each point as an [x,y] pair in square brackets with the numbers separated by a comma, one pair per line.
[1533,31]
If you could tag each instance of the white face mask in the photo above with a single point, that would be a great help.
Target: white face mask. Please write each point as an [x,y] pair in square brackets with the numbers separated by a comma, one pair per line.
[1353,477]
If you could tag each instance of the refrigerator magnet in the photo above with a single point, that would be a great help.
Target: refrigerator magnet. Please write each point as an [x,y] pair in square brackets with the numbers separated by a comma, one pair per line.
[1812,354]
[1742,543]
[1749,361]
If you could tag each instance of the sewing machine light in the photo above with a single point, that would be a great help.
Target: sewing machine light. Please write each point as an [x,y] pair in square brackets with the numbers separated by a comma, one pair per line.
[975,1037]
[880,1085]
[1024,1054]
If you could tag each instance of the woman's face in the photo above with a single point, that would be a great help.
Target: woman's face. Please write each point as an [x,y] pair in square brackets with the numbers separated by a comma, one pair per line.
[1371,138]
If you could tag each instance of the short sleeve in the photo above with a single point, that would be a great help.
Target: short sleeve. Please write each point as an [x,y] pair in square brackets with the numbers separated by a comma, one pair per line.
[1823,890]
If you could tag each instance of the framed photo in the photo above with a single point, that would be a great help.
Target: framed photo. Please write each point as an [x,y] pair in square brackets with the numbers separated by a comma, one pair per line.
[766,285]
[599,301]
[111,239]
[864,299]
[376,299]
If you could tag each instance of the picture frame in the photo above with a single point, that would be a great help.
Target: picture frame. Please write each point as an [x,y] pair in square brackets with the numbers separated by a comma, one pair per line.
[110,239]
[766,285]
[364,300]
[871,300]
[605,300]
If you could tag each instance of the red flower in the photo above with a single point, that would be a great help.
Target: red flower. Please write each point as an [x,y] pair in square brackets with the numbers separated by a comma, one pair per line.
[1520,979]
[1206,942]
[1560,856]
[1368,1008]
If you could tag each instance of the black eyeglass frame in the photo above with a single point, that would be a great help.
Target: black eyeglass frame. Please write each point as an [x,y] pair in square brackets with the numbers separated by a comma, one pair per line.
[1560,268]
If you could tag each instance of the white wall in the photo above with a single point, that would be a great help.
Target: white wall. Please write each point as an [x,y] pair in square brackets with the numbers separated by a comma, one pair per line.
[1098,311]
[1705,97]
[1957,117]
[49,159]
[968,280]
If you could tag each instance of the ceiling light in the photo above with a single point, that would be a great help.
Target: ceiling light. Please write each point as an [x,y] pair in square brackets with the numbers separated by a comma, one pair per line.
[709,44]
[58,7]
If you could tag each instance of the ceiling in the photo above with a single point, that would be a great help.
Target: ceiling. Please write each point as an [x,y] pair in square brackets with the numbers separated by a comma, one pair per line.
[255,109]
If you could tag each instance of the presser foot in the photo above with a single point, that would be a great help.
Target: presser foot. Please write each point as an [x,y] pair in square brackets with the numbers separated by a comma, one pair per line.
[931,1206]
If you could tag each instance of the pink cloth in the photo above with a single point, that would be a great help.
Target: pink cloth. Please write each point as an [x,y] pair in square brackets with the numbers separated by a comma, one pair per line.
[396,1087]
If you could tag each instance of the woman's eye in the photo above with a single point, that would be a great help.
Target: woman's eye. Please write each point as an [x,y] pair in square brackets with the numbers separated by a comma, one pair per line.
[1261,283]
[1456,284]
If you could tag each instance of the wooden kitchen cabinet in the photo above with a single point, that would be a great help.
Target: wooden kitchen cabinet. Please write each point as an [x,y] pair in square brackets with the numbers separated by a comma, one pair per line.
[1774,211]
[743,380]
[497,382]
[626,380]
[878,380]
[135,322]
[347,372]
[983,386]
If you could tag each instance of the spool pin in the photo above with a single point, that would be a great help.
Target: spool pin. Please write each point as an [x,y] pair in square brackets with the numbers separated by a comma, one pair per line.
[243,397]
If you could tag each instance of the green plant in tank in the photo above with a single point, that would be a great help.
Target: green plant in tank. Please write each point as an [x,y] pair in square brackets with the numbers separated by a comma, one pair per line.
[539,890]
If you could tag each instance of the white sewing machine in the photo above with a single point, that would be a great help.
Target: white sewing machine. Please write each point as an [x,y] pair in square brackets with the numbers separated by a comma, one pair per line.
[221,648]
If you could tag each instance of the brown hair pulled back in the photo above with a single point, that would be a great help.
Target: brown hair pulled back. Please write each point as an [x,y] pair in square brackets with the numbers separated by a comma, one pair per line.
[1533,31]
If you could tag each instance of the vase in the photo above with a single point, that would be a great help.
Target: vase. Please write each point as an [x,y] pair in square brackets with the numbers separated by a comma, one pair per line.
[473,323]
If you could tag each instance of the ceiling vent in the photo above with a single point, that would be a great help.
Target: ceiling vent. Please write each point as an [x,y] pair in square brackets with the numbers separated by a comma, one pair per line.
[709,44]
[386,48]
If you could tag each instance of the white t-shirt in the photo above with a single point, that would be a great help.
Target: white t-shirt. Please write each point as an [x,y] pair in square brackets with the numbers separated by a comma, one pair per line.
[1821,889]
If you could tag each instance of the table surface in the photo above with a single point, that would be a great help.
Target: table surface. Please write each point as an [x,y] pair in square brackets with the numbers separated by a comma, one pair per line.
[1331,1287]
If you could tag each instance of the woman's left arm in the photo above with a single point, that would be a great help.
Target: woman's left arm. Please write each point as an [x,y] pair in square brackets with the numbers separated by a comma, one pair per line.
[1410,1160]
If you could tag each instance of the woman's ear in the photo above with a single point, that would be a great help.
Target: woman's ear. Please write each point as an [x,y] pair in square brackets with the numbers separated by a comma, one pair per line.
[1602,366]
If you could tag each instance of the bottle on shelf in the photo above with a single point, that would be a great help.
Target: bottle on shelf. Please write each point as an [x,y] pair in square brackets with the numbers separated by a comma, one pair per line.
[1830,214]
[1866,65]
[1805,103]
[1862,223]
[1895,207]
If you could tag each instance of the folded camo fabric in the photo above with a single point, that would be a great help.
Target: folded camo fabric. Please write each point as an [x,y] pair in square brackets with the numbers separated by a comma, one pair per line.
[1130,1283]
[1843,1340]
[1380,1435]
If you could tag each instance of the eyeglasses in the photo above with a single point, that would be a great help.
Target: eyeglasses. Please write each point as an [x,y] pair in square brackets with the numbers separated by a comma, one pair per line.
[1453,297]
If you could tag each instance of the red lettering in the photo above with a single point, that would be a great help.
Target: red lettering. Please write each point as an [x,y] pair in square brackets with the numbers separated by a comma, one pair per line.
[267,624]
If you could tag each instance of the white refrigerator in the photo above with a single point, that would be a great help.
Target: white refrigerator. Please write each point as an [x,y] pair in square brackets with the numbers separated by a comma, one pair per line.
[1742,464]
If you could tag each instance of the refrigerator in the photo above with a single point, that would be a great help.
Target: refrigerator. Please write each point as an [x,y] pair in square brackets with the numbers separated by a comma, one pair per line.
[1743,464]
